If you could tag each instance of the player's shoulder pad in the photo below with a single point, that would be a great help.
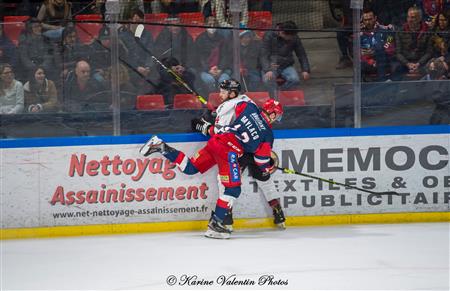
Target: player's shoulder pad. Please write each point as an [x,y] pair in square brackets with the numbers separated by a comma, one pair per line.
[245,98]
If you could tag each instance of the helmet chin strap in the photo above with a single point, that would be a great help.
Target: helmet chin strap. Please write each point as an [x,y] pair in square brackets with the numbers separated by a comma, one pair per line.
[267,116]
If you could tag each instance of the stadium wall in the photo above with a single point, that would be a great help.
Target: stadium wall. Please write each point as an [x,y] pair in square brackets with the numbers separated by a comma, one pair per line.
[101,185]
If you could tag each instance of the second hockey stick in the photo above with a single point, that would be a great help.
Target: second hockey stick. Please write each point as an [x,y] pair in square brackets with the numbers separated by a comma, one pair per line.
[289,171]
[137,36]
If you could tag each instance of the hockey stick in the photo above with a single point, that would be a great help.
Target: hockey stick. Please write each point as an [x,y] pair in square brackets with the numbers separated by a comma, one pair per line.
[137,36]
[245,83]
[289,171]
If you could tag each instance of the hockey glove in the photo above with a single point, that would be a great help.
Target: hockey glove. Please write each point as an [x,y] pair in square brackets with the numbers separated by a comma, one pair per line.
[201,125]
[274,162]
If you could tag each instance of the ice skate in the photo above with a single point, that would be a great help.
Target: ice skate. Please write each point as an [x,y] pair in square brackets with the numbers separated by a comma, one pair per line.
[228,221]
[216,229]
[278,216]
[153,145]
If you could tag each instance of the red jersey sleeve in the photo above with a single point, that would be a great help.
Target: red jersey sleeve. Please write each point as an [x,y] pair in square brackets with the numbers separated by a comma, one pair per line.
[262,156]
[240,107]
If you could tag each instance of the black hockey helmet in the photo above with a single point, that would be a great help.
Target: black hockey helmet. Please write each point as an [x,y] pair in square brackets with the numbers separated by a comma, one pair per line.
[231,85]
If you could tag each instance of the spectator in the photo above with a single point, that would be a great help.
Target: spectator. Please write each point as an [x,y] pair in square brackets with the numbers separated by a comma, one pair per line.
[40,93]
[99,54]
[413,45]
[169,85]
[221,10]
[277,57]
[54,15]
[441,37]
[390,12]
[223,13]
[11,91]
[430,10]
[343,37]
[127,8]
[137,53]
[34,49]
[128,91]
[69,52]
[376,46]
[214,62]
[174,41]
[8,51]
[83,93]
[437,70]
[250,54]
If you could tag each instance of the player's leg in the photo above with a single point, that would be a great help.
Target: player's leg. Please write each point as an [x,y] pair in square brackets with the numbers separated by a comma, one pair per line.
[267,187]
[202,161]
[230,177]
[244,160]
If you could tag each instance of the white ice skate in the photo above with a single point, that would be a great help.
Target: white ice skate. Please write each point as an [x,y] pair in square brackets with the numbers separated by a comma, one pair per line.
[215,234]
[153,145]
[229,227]
[217,230]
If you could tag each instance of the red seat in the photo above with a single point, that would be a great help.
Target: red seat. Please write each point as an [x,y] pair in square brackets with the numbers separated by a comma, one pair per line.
[186,101]
[13,27]
[193,18]
[150,102]
[86,31]
[292,98]
[214,100]
[258,97]
[154,29]
[259,19]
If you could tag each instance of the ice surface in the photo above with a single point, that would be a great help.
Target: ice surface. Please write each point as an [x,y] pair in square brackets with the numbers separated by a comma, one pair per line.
[362,257]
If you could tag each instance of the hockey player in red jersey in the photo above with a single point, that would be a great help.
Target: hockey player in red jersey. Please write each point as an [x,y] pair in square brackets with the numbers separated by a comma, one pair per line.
[250,131]
[226,114]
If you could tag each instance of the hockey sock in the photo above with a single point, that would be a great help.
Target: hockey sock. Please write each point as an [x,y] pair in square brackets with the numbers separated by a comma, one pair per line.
[221,209]
[226,201]
[183,162]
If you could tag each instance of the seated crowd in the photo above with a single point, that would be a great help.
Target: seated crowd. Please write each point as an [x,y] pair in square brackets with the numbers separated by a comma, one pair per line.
[61,73]
[51,70]
[418,48]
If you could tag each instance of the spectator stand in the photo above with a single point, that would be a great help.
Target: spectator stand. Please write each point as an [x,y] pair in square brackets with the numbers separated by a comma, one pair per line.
[13,27]
[259,19]
[193,18]
[258,97]
[86,30]
[186,101]
[150,102]
[152,20]
[292,98]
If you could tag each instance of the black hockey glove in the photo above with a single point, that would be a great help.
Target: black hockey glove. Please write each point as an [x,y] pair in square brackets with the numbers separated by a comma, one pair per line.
[201,125]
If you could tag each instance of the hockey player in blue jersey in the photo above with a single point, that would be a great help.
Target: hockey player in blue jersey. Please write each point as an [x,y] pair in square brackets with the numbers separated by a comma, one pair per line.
[250,131]
[226,114]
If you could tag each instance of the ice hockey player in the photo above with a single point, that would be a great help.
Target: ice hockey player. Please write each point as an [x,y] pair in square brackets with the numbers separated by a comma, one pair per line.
[226,114]
[250,132]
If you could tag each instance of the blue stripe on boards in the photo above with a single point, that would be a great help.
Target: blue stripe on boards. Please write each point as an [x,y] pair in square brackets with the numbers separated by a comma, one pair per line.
[195,137]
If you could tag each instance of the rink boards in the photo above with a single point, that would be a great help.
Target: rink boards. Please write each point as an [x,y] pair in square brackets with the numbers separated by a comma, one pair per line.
[97,185]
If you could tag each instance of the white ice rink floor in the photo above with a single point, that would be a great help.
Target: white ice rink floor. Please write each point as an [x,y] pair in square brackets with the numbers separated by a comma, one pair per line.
[362,257]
